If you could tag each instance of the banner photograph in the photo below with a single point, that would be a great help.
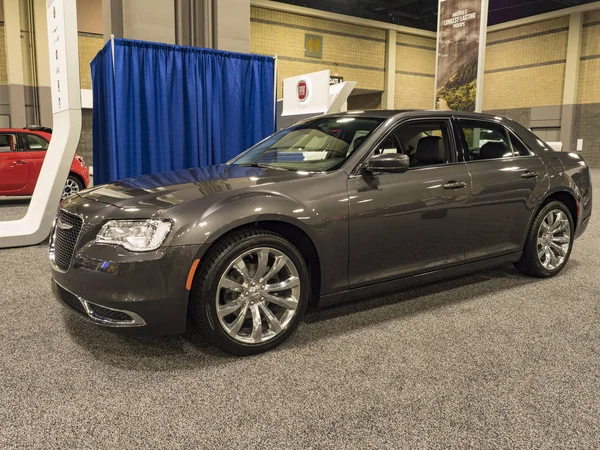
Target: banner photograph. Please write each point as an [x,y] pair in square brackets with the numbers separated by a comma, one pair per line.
[458,54]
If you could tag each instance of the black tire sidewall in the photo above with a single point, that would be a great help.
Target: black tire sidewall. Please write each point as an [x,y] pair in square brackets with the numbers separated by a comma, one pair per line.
[207,306]
[531,246]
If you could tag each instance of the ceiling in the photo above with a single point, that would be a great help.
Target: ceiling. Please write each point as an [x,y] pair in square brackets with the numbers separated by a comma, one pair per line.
[423,13]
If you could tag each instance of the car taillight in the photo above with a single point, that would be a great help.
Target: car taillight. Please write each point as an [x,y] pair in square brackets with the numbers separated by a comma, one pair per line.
[81,160]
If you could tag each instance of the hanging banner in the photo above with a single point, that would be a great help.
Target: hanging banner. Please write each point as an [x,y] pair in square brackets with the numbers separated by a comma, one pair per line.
[462,26]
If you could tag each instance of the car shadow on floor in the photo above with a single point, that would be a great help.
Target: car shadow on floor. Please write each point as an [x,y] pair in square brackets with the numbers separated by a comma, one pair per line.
[188,352]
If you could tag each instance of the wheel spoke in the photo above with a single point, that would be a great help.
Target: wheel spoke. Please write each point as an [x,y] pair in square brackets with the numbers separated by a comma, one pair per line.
[286,302]
[256,324]
[290,283]
[562,226]
[261,268]
[561,239]
[541,252]
[230,308]
[553,259]
[236,325]
[557,222]
[559,250]
[274,324]
[280,262]
[228,283]
[240,266]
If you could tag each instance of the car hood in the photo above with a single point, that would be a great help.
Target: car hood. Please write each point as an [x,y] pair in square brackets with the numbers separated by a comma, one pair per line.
[166,189]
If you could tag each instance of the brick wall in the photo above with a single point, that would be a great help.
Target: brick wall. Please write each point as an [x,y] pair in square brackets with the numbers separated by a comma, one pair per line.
[587,112]
[415,72]
[85,141]
[354,52]
[89,46]
[519,115]
[525,66]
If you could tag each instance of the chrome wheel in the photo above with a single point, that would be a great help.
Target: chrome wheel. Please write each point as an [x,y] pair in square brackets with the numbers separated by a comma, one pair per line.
[257,296]
[71,187]
[553,240]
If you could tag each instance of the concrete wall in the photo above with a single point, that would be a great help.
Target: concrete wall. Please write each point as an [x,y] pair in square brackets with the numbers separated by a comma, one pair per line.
[354,52]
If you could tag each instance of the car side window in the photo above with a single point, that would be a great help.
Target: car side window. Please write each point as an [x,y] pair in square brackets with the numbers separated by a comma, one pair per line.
[485,141]
[426,143]
[518,147]
[9,143]
[389,145]
[36,143]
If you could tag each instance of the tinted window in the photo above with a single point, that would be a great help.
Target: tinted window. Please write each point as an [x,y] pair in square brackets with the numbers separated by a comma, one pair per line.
[315,145]
[8,143]
[35,142]
[426,143]
[485,141]
[518,147]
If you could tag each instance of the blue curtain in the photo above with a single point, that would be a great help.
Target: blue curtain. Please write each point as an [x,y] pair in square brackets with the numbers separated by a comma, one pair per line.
[164,107]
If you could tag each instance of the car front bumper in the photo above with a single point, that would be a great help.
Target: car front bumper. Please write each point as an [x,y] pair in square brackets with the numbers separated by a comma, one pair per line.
[141,293]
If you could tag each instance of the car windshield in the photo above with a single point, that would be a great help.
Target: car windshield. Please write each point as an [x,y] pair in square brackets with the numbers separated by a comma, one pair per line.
[316,145]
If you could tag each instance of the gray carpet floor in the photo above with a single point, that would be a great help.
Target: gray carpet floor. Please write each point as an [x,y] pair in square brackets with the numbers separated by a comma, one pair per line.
[491,360]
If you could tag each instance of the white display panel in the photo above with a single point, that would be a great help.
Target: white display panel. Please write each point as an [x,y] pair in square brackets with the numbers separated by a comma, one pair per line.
[58,55]
[66,108]
[306,94]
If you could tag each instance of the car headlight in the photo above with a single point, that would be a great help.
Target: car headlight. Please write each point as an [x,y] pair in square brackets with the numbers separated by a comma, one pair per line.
[134,235]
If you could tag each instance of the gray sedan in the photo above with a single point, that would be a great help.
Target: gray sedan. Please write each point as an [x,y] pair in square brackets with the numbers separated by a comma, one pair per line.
[334,208]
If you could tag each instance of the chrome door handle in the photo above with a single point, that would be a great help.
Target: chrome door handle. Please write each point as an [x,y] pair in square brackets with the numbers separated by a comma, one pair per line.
[19,163]
[455,185]
[529,174]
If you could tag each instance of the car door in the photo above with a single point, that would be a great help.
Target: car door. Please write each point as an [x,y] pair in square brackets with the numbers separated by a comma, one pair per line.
[14,166]
[406,223]
[508,180]
[35,147]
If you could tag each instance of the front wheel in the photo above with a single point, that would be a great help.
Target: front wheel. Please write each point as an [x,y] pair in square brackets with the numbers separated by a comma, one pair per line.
[251,292]
[549,242]
[72,186]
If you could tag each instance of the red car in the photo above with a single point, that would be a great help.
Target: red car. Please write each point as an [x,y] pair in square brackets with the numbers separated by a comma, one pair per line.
[22,152]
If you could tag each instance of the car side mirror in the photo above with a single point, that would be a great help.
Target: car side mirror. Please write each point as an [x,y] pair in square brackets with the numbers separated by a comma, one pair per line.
[388,162]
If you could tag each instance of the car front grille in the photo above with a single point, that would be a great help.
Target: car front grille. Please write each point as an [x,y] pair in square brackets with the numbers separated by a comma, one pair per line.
[70,299]
[66,233]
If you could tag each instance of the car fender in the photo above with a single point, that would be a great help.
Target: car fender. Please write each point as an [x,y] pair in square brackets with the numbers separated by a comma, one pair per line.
[232,212]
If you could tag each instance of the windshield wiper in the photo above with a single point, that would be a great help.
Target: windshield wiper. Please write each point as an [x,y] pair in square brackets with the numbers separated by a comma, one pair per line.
[261,165]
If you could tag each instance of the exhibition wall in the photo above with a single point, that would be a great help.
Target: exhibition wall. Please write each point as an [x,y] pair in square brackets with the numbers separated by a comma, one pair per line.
[415,71]
[356,52]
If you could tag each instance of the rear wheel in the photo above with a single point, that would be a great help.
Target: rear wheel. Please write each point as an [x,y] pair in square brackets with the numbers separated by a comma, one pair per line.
[72,186]
[251,292]
[549,242]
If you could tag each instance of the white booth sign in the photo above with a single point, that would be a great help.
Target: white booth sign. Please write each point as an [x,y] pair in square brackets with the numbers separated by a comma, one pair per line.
[306,94]
[312,93]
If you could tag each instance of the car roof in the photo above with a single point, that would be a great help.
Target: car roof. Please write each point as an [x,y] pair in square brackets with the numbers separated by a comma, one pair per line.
[387,113]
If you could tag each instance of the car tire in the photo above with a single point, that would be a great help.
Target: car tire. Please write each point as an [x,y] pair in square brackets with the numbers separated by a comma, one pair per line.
[72,186]
[225,302]
[547,250]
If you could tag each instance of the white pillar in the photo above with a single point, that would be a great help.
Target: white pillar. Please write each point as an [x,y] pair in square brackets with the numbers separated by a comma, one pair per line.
[571,79]
[389,85]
